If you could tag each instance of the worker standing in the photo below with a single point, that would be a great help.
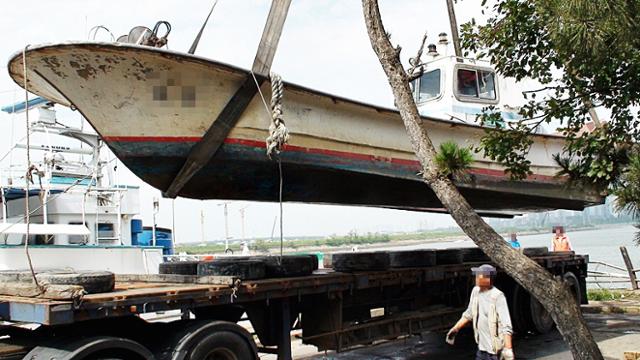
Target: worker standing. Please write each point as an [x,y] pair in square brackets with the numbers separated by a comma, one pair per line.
[489,314]
[560,240]
[514,241]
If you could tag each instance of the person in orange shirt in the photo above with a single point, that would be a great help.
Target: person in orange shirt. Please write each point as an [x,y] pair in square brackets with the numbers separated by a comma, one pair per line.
[560,241]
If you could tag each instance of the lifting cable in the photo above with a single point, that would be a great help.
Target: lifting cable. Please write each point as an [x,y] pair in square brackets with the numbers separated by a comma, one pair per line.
[278,136]
[30,168]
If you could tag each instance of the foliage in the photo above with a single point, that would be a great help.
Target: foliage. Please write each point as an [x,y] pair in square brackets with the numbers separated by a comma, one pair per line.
[628,193]
[586,54]
[603,295]
[453,160]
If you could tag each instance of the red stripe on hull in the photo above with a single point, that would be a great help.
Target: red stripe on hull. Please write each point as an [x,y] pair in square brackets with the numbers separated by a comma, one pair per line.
[342,154]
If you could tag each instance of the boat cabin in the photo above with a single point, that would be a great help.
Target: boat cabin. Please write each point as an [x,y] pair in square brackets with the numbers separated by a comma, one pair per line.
[457,89]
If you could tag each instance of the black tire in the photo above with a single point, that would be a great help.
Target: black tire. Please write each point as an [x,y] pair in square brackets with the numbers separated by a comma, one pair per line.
[361,261]
[473,255]
[179,268]
[520,313]
[93,282]
[413,258]
[93,348]
[449,256]
[288,265]
[231,313]
[194,340]
[241,269]
[541,319]
[536,251]
[315,261]
[574,286]
[221,345]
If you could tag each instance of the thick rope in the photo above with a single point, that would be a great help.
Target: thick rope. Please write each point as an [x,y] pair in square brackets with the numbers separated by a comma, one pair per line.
[278,132]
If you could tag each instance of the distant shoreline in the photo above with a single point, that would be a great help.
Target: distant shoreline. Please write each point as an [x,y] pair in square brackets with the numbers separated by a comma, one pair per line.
[452,236]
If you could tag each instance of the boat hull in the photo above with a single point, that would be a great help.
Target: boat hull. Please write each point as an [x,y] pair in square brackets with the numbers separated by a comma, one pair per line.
[152,106]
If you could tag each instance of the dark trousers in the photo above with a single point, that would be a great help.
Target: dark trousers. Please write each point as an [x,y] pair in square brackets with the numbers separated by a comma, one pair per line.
[483,355]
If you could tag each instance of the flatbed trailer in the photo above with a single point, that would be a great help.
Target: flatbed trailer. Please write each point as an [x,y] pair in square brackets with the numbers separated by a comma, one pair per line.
[334,310]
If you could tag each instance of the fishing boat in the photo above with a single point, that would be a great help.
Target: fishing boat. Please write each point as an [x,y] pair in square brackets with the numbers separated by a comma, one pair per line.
[80,217]
[152,106]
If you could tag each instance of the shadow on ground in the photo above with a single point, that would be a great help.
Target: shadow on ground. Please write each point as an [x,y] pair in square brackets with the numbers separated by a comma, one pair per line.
[615,335]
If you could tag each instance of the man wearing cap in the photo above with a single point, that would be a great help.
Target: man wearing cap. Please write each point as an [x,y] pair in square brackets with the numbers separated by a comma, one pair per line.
[489,314]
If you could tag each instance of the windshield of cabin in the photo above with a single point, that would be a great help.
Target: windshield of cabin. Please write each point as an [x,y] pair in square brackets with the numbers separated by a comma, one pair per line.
[477,84]
[429,85]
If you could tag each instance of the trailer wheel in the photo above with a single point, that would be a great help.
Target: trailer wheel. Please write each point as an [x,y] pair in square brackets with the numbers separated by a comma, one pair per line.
[521,315]
[209,340]
[574,285]
[542,320]
[221,345]
[94,348]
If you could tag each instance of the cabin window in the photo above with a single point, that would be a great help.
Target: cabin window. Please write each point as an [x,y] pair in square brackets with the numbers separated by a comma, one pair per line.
[479,84]
[429,85]
[106,230]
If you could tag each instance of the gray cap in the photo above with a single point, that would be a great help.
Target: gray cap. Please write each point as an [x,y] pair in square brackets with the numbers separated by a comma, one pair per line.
[484,269]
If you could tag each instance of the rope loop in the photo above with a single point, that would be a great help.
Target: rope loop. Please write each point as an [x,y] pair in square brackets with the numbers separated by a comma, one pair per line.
[278,132]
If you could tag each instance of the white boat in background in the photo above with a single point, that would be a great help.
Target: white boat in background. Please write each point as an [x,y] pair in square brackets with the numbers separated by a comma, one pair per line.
[79,217]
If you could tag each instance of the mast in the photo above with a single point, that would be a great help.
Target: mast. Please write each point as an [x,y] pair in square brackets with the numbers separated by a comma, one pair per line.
[454,29]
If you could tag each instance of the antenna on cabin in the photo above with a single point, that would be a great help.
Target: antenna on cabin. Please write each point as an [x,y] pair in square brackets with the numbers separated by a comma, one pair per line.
[193,47]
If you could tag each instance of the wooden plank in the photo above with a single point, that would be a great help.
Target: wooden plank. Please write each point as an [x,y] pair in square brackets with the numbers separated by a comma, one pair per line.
[629,265]
[270,37]
[206,148]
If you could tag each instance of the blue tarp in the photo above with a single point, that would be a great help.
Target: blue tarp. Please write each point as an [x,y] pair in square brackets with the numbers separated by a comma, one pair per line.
[20,106]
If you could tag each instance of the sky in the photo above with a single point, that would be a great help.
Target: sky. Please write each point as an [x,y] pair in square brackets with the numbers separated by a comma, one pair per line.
[324,46]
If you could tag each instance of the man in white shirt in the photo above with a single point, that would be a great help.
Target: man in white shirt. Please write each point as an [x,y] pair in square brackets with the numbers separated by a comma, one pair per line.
[489,314]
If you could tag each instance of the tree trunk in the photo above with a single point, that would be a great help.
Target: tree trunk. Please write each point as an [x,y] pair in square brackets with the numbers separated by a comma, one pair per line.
[553,294]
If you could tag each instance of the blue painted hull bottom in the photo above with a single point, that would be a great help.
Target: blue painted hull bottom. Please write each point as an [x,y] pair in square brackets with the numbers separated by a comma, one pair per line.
[241,172]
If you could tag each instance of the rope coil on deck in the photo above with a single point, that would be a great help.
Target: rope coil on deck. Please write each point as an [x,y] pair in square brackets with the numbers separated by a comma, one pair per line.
[278,132]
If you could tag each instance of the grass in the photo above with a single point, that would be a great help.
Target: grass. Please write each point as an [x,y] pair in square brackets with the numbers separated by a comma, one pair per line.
[603,295]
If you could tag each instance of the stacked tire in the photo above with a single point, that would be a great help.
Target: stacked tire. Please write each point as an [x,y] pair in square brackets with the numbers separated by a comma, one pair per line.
[246,267]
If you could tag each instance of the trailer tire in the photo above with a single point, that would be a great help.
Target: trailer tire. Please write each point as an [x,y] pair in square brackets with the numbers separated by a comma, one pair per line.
[179,268]
[93,348]
[93,282]
[360,261]
[195,340]
[540,317]
[574,286]
[520,300]
[535,251]
[241,269]
[413,258]
[288,266]
[473,255]
[222,345]
[449,256]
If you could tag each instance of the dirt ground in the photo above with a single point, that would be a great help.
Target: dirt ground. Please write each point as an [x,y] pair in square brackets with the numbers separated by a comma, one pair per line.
[615,333]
